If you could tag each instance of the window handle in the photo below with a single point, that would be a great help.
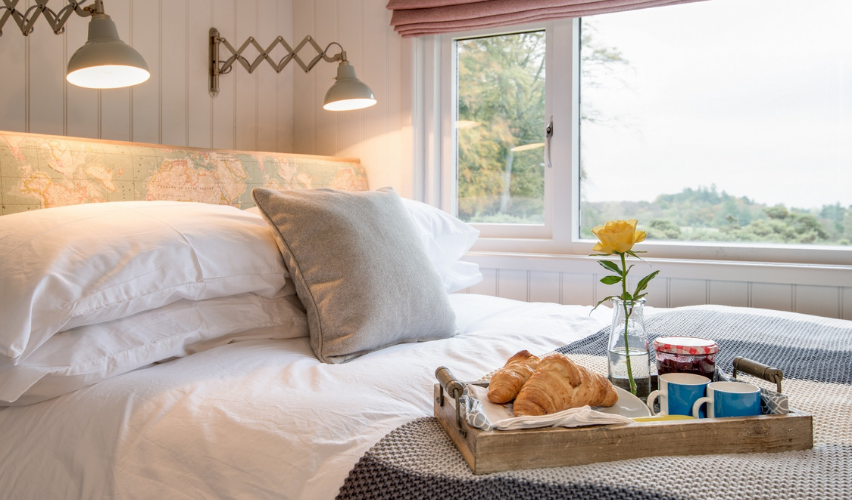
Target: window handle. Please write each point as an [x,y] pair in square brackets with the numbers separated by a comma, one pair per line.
[549,132]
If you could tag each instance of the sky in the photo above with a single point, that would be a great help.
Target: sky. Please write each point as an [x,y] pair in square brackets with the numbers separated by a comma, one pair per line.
[753,96]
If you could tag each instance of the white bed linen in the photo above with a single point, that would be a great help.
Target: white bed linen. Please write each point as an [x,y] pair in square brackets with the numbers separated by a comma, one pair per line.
[257,419]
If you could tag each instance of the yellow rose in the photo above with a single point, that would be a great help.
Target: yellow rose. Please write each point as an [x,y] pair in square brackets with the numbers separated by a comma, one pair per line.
[617,236]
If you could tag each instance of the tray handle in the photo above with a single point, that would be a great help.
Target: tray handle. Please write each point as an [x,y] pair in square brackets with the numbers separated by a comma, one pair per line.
[454,388]
[759,370]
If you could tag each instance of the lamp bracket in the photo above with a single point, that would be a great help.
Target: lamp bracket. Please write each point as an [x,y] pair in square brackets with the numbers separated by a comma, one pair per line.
[25,20]
[220,67]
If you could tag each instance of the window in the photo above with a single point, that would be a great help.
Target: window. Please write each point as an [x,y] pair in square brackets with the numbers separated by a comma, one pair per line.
[745,139]
[726,143]
[500,83]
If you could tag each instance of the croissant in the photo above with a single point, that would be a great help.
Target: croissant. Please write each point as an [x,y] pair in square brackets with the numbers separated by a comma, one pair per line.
[559,384]
[505,384]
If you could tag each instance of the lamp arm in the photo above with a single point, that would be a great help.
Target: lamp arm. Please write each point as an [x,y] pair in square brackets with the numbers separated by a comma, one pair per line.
[219,66]
[57,20]
[340,56]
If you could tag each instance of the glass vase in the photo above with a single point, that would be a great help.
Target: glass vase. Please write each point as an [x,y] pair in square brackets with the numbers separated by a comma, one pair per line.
[628,348]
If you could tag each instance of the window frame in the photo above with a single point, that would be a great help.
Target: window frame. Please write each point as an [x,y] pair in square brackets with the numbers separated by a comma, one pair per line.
[560,234]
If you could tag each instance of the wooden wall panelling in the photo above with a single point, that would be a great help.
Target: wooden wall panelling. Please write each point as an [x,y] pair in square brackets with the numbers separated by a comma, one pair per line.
[174,104]
[729,293]
[224,107]
[489,285]
[284,81]
[586,289]
[602,290]
[371,68]
[544,287]
[512,284]
[266,106]
[658,292]
[376,135]
[817,300]
[687,292]
[578,289]
[246,104]
[351,35]
[45,73]
[772,296]
[304,108]
[146,96]
[115,106]
[84,107]
[383,140]
[14,50]
[199,102]
[325,32]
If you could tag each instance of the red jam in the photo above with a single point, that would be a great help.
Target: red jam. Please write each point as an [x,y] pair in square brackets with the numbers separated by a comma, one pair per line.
[685,355]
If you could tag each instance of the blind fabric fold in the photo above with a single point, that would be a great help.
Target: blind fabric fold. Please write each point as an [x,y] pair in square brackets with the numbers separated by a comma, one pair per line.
[427,17]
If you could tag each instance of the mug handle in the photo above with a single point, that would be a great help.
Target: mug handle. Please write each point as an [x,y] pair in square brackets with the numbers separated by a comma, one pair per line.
[698,404]
[651,401]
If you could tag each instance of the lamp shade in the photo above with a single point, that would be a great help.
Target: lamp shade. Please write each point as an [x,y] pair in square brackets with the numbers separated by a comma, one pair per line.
[348,92]
[105,62]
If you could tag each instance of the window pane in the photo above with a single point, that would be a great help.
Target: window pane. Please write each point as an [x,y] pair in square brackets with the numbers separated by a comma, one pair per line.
[500,128]
[720,121]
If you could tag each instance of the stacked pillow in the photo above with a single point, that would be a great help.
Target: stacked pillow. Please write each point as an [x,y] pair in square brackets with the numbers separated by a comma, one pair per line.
[89,292]
[127,283]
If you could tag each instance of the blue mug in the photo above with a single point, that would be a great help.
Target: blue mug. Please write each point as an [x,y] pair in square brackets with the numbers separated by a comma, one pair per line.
[730,399]
[678,393]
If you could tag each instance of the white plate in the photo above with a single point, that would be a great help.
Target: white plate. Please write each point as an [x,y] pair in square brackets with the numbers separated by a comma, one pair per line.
[627,405]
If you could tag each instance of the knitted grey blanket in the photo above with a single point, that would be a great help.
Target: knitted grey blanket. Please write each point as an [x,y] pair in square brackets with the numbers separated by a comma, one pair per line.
[419,461]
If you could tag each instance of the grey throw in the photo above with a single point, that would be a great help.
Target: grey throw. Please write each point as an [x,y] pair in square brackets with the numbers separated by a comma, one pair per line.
[419,461]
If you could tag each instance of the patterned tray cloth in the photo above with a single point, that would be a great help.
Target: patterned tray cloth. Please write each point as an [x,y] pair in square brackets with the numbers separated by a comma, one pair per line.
[419,461]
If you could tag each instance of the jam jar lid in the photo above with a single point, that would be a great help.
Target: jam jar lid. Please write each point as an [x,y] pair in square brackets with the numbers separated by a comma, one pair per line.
[693,346]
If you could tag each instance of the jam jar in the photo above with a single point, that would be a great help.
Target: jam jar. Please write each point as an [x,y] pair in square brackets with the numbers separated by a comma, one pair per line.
[685,355]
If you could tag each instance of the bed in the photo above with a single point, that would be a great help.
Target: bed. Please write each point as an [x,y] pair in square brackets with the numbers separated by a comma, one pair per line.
[211,385]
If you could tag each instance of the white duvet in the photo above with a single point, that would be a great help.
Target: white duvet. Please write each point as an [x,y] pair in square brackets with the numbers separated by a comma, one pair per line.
[257,419]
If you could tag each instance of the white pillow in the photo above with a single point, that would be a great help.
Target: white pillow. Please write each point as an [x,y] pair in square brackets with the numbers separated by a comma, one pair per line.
[89,354]
[61,268]
[446,239]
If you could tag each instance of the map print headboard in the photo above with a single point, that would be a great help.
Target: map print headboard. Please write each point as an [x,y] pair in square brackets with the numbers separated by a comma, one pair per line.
[43,171]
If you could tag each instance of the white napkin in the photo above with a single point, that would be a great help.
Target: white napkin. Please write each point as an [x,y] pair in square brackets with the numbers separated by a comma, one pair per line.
[500,416]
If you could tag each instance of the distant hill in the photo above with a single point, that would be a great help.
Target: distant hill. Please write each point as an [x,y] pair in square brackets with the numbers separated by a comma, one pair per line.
[704,214]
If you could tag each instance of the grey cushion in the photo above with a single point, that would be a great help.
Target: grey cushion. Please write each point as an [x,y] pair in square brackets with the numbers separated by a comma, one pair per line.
[360,269]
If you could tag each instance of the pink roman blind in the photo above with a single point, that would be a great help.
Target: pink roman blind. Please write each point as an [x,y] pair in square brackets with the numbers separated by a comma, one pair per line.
[427,17]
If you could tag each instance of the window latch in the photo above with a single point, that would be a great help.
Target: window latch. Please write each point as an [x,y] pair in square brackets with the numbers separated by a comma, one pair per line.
[549,132]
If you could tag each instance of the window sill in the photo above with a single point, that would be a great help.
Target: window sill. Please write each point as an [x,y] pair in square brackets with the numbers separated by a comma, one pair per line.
[718,270]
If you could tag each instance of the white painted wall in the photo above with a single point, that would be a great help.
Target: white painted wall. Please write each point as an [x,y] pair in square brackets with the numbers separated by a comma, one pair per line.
[380,135]
[819,290]
[252,112]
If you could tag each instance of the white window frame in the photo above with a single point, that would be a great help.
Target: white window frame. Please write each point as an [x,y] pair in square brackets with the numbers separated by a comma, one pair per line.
[434,110]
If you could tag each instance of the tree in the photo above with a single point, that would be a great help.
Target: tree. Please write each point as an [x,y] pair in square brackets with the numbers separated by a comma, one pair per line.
[501,87]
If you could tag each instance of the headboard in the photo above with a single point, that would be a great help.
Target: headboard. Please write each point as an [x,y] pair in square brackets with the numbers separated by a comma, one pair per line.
[42,171]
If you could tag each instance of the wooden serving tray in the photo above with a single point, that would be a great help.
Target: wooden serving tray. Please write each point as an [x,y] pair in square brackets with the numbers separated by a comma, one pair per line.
[498,451]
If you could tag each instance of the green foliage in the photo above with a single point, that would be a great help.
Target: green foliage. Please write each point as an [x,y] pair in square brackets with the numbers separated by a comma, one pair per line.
[611,280]
[501,87]
[621,276]
[704,214]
